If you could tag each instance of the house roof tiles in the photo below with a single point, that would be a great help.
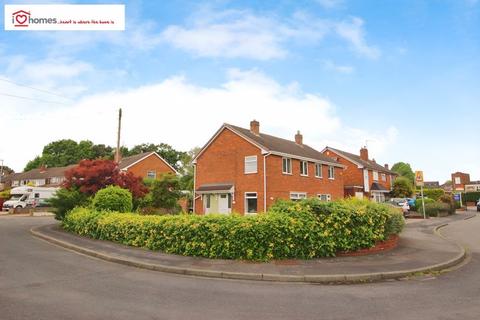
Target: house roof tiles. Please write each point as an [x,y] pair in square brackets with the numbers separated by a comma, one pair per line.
[369,164]
[274,144]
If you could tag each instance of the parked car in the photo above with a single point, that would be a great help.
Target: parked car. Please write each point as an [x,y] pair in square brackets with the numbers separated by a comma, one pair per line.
[478,205]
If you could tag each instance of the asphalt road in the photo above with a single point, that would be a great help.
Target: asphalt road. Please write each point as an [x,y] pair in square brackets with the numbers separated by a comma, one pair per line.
[41,281]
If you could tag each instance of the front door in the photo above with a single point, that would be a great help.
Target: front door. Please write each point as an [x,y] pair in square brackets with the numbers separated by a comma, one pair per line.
[223,204]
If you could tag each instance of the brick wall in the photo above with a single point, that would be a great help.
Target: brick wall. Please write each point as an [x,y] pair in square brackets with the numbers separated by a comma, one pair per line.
[280,185]
[151,163]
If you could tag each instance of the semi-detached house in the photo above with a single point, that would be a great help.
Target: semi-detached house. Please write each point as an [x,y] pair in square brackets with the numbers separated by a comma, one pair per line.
[246,171]
[363,177]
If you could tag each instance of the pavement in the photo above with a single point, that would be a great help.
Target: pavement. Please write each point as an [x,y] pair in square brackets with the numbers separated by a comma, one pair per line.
[421,249]
[39,280]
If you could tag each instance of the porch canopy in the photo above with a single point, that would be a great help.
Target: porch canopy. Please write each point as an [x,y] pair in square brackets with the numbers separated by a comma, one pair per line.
[377,187]
[215,188]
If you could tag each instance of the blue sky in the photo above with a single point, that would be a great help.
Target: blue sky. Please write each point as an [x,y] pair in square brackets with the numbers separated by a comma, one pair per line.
[402,75]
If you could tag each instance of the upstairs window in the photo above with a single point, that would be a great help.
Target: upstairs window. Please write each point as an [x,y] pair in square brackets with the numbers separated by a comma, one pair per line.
[331,172]
[251,164]
[375,175]
[384,177]
[303,168]
[287,165]
[318,170]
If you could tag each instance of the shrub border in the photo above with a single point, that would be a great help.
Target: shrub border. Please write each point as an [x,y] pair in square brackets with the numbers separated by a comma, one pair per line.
[326,279]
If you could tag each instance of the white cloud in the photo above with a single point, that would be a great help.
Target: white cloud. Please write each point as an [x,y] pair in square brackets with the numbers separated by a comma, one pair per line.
[242,34]
[330,65]
[354,33]
[182,114]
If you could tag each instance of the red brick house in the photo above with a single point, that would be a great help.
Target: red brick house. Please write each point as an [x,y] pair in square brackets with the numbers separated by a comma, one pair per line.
[146,165]
[246,171]
[459,180]
[363,177]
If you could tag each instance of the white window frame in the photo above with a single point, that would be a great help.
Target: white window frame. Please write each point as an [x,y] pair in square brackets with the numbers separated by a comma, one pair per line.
[318,168]
[295,195]
[246,197]
[375,175]
[458,180]
[249,160]
[304,168]
[154,174]
[289,166]
[328,197]
[331,172]
[384,177]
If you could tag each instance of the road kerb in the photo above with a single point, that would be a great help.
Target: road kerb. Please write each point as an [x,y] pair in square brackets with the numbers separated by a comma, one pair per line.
[315,278]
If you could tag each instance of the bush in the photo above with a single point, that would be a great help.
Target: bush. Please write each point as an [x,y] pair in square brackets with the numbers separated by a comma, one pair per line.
[303,230]
[113,198]
[433,209]
[418,203]
[434,194]
[395,223]
[65,200]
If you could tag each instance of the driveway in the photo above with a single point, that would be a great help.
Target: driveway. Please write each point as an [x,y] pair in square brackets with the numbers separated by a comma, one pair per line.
[42,281]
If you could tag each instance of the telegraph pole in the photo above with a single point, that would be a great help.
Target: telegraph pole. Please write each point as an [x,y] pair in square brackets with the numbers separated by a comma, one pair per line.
[117,153]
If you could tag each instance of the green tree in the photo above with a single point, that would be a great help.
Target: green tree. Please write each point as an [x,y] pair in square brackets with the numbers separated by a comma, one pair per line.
[404,170]
[166,192]
[402,187]
[65,152]
[6,170]
[186,168]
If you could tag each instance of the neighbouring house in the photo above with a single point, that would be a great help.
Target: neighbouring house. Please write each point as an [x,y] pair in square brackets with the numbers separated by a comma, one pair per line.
[363,177]
[431,184]
[246,171]
[459,180]
[40,177]
[447,187]
[472,186]
[145,165]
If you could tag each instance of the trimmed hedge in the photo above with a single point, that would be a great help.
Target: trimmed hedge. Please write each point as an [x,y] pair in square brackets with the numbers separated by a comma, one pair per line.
[303,230]
[470,197]
[113,198]
[435,208]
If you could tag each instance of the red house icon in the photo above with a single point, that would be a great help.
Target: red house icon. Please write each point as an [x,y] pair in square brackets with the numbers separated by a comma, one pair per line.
[20,18]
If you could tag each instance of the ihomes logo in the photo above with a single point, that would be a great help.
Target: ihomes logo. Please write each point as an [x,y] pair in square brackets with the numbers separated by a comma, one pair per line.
[20,18]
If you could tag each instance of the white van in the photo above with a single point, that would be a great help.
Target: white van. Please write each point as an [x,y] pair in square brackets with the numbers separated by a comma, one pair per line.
[23,197]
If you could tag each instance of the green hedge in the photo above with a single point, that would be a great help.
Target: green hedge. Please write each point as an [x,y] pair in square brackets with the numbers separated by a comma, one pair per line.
[470,197]
[303,230]
[433,209]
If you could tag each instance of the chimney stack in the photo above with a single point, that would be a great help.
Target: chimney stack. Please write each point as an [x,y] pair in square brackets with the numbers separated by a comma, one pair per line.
[299,138]
[364,154]
[255,127]
[43,168]
[386,166]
